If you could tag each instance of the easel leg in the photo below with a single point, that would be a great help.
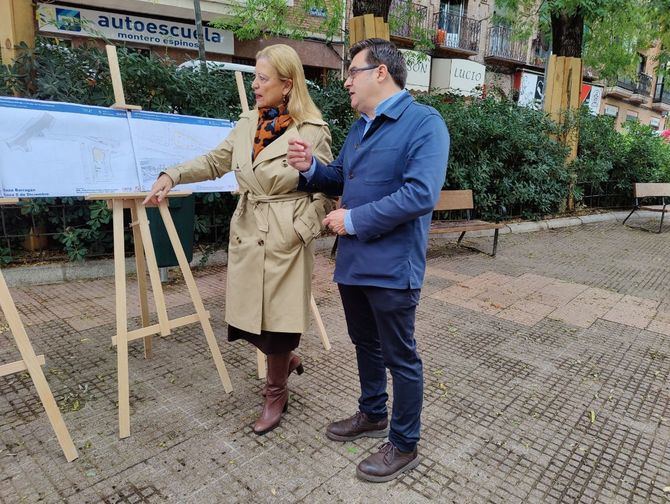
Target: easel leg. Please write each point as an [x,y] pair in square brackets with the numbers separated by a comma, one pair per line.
[154,276]
[121,320]
[319,323]
[34,368]
[195,296]
[262,366]
[141,269]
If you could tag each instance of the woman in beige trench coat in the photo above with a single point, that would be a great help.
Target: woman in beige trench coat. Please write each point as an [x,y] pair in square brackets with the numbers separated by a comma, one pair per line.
[270,251]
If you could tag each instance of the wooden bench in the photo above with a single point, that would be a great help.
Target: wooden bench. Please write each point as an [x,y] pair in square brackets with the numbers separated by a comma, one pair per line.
[642,191]
[461,200]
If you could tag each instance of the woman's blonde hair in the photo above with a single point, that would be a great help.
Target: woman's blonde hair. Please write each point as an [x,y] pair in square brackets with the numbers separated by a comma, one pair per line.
[286,62]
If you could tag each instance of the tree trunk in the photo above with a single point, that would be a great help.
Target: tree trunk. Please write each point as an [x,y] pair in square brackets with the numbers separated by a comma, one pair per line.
[380,8]
[567,33]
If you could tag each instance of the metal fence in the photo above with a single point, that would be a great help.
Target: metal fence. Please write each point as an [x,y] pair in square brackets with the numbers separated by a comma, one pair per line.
[34,237]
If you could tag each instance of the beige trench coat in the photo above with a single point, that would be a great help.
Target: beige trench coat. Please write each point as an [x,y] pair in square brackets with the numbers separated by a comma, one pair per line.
[270,251]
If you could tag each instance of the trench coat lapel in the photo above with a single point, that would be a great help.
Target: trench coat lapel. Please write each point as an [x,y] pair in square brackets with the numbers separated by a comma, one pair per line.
[246,167]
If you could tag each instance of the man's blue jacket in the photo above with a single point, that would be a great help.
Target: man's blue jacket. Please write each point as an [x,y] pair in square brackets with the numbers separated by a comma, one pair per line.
[390,179]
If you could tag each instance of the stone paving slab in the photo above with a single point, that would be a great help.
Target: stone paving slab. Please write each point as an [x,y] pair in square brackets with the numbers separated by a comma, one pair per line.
[524,400]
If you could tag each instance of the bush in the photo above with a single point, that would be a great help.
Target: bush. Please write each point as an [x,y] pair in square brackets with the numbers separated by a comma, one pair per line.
[506,154]
[609,161]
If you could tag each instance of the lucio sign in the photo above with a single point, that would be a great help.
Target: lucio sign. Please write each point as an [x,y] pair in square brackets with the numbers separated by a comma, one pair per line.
[73,21]
[458,76]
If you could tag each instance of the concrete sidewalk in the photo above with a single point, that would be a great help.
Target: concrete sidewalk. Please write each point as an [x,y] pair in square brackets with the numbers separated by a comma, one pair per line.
[546,380]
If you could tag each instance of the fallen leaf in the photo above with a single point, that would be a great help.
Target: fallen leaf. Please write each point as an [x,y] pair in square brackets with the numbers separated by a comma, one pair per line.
[352,450]
[592,416]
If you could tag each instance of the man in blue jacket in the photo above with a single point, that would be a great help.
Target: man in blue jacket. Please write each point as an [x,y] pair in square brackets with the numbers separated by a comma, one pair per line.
[390,173]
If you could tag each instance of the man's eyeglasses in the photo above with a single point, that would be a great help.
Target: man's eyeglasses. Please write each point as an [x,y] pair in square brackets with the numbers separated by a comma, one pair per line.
[353,71]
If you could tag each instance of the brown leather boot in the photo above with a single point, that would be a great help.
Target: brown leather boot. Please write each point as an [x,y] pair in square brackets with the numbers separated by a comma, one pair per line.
[355,427]
[387,464]
[276,398]
[294,364]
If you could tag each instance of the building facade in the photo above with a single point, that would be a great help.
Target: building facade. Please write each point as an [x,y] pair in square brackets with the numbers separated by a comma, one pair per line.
[167,27]
[472,44]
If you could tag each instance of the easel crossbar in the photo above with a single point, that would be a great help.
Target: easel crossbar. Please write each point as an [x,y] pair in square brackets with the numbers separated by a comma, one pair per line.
[18,366]
[156,328]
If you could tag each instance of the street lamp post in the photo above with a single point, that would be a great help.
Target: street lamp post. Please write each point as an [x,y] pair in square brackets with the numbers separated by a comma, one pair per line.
[199,32]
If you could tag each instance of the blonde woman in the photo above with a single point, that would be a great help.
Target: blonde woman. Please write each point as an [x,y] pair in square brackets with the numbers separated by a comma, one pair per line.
[270,251]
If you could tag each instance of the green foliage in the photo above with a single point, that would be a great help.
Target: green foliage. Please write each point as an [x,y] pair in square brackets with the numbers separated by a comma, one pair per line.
[505,154]
[619,159]
[256,19]
[333,101]
[615,31]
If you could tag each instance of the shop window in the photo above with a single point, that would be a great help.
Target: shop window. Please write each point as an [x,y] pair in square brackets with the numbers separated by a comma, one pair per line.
[611,110]
[244,61]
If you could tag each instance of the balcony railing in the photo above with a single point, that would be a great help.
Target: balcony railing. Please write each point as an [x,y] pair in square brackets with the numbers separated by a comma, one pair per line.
[643,85]
[661,95]
[457,32]
[406,18]
[503,46]
[626,83]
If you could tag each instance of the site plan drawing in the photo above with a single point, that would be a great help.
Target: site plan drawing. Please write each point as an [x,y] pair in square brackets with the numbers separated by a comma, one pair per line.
[163,140]
[50,149]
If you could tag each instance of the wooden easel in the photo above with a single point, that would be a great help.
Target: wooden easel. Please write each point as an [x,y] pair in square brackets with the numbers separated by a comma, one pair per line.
[145,259]
[260,356]
[33,364]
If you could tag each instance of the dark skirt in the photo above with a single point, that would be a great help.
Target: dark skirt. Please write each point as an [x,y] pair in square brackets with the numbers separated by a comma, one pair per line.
[268,342]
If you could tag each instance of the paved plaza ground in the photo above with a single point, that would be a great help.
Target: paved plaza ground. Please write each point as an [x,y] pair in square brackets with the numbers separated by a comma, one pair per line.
[546,380]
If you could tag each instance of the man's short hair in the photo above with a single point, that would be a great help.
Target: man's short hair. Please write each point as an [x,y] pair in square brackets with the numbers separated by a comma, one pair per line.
[383,52]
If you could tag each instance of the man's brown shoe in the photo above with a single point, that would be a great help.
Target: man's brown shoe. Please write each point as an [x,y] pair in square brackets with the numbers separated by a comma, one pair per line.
[355,427]
[388,463]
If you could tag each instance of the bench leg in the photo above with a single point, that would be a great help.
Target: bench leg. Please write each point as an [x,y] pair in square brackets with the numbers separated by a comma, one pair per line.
[460,238]
[631,213]
[660,228]
[495,243]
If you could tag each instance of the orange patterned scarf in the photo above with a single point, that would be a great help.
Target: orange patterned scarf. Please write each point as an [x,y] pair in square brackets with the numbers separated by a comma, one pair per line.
[272,123]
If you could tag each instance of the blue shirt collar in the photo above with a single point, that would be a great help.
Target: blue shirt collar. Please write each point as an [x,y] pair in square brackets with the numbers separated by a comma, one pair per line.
[386,104]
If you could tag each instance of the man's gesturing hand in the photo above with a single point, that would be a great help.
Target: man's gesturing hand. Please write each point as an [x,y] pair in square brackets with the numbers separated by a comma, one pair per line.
[335,221]
[299,154]
[159,190]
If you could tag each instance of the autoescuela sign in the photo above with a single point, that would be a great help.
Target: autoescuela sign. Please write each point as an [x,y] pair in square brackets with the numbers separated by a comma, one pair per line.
[73,21]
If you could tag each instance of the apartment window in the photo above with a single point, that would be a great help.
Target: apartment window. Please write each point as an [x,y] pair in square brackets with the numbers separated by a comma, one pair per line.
[451,12]
[611,110]
[642,64]
[655,123]
[631,115]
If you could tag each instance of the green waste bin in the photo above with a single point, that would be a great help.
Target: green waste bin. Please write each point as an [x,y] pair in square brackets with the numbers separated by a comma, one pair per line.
[182,211]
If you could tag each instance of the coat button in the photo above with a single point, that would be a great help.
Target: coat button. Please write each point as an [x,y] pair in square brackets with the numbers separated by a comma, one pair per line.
[261,242]
[351,175]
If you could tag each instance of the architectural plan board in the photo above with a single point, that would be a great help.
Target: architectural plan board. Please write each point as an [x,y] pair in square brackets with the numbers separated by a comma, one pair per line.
[50,149]
[164,140]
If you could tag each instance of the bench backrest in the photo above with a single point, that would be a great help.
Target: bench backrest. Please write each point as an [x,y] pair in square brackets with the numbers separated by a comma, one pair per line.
[651,190]
[455,200]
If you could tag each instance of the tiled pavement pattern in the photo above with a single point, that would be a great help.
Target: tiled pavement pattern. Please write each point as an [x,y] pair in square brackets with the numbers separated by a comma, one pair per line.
[546,380]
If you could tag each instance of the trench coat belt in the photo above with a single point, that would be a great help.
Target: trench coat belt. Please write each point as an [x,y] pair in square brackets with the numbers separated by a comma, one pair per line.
[261,205]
